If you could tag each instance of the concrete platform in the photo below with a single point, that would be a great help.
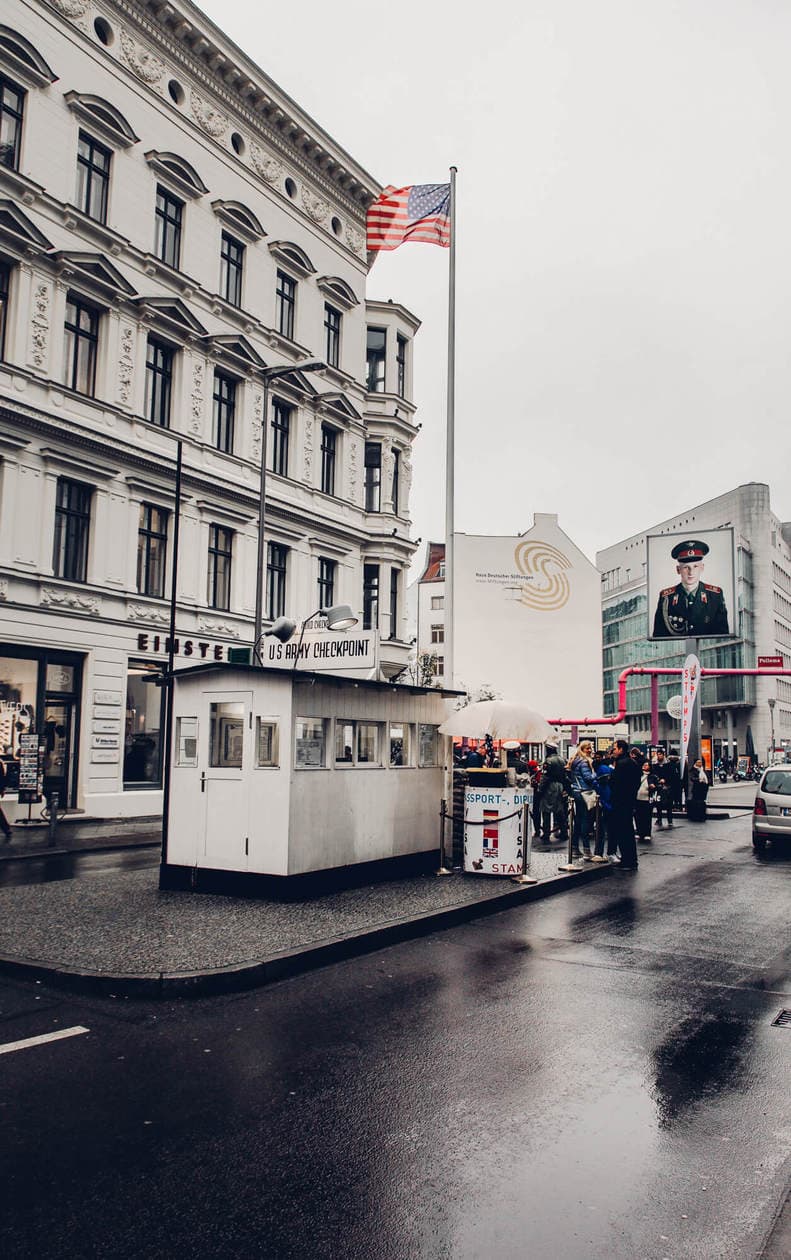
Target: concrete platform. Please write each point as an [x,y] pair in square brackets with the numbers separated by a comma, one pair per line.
[113,932]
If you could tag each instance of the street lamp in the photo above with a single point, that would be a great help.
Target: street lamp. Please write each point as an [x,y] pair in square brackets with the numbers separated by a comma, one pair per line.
[267,375]
[339,617]
[772,704]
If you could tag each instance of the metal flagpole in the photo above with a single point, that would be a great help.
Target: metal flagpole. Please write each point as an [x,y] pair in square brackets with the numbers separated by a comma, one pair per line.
[450,444]
[450,451]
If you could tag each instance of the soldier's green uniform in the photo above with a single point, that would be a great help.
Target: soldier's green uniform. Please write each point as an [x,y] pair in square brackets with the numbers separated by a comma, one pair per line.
[694,614]
[690,613]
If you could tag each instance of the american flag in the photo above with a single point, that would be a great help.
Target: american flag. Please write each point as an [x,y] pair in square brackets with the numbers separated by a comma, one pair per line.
[420,212]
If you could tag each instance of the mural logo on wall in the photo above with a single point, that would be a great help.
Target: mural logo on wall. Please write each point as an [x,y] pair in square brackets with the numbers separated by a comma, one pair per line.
[547,587]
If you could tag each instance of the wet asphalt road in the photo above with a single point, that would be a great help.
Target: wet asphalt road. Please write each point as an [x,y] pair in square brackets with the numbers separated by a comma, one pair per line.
[593,1076]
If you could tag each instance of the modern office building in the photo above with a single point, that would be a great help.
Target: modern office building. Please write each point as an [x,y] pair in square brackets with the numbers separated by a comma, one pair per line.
[739,714]
[173,227]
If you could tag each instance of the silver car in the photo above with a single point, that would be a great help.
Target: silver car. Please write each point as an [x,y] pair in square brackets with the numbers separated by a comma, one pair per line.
[772,809]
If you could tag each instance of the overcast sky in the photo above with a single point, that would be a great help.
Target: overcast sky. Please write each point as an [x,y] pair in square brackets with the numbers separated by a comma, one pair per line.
[624,209]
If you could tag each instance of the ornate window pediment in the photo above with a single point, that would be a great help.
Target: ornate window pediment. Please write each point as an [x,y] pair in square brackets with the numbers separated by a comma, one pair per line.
[339,291]
[239,218]
[18,233]
[103,117]
[299,382]
[292,257]
[22,60]
[172,315]
[340,406]
[177,171]
[93,271]
[237,350]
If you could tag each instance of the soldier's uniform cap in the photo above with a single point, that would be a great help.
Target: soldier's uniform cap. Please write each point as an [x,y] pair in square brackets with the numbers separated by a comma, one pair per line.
[693,549]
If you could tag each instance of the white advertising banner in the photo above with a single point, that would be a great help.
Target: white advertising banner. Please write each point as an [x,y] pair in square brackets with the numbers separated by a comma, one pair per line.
[690,681]
[493,842]
[324,651]
[527,620]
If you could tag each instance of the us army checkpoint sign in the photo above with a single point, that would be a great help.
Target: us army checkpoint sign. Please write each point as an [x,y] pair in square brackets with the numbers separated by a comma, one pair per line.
[325,651]
[691,584]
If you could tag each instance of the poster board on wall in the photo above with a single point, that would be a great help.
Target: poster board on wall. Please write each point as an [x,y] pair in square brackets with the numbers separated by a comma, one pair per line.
[691,585]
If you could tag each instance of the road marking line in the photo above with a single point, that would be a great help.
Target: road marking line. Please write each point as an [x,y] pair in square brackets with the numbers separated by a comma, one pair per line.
[39,1041]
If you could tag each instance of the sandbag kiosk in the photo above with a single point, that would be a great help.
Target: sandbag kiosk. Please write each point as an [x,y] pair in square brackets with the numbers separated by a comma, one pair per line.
[282,774]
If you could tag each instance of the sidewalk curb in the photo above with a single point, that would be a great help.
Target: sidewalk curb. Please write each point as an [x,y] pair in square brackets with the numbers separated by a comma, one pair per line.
[281,966]
[8,854]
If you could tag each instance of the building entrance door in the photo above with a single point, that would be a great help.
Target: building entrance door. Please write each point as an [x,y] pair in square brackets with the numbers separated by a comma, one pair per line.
[58,740]
[224,779]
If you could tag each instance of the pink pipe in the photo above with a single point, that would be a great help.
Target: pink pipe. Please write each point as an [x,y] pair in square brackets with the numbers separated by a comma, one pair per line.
[657,669]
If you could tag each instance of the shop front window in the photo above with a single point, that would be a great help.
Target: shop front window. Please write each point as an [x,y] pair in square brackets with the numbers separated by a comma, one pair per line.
[144,727]
[18,684]
[60,678]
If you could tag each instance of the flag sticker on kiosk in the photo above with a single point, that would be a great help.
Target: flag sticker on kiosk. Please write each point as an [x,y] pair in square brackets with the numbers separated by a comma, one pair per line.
[491,835]
[418,212]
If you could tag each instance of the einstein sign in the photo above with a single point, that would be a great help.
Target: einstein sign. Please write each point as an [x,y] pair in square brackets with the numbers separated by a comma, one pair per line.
[527,619]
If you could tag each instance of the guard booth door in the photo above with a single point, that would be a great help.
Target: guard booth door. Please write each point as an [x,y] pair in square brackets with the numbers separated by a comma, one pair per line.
[225,779]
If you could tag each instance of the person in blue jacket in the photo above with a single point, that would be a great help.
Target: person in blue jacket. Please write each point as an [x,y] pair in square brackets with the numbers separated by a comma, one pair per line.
[603,771]
[583,779]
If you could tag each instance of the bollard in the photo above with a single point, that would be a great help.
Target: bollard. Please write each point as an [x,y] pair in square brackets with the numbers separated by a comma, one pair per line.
[570,864]
[524,878]
[443,870]
[54,800]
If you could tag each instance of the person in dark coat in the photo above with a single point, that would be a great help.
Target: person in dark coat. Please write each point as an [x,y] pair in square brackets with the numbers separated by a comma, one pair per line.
[624,782]
[553,795]
[673,775]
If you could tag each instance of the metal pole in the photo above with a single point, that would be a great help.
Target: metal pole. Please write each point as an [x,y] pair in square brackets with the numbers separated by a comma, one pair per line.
[443,870]
[174,573]
[692,648]
[527,849]
[654,709]
[772,703]
[569,865]
[54,802]
[258,627]
[450,469]
[450,440]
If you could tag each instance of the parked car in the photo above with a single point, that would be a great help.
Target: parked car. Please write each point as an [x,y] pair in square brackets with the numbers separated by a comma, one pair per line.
[772,809]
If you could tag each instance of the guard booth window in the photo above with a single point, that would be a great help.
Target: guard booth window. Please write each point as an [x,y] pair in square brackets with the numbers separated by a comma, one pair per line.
[226,734]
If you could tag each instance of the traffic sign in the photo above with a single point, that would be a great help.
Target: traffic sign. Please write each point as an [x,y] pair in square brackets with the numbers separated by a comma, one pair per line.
[770,662]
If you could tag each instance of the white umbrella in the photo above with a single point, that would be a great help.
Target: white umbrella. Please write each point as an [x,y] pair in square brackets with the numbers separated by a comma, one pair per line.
[501,720]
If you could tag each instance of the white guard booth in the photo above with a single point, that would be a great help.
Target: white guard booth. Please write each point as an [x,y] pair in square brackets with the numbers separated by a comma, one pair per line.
[277,773]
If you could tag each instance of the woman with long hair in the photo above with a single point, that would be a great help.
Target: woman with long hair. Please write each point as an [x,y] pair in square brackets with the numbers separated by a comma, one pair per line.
[583,779]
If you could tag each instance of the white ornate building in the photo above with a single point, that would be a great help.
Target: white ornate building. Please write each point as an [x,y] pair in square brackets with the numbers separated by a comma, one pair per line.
[171,225]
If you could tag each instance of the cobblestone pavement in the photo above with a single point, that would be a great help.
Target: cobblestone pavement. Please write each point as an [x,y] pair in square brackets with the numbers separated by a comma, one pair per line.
[119,923]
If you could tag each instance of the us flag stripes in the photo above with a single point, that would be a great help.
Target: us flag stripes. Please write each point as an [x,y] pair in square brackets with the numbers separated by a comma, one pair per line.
[419,212]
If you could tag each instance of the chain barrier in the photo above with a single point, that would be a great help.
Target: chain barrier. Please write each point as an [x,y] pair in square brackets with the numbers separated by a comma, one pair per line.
[481,822]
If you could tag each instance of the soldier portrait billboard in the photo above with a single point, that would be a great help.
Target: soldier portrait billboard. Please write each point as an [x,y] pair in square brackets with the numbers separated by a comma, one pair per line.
[691,585]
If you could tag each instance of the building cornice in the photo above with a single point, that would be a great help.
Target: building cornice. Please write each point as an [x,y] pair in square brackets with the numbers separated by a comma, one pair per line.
[184,39]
